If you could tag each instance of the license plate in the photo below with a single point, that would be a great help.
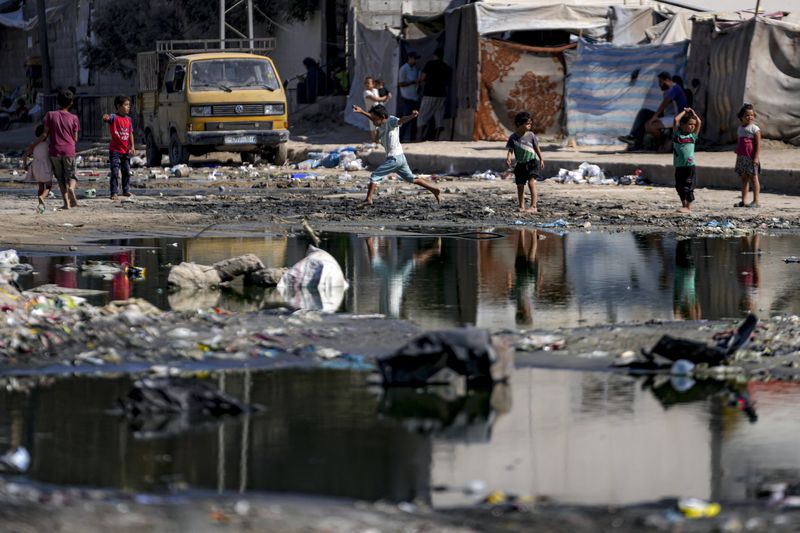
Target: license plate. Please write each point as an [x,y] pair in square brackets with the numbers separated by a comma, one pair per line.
[240,139]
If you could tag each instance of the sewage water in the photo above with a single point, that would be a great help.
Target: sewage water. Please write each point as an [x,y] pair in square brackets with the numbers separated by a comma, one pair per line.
[590,438]
[527,278]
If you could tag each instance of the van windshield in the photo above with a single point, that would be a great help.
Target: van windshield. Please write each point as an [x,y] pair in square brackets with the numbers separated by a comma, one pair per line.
[228,74]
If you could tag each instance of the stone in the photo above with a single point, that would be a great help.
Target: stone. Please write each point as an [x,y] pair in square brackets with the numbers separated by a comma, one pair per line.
[238,266]
[266,277]
[193,276]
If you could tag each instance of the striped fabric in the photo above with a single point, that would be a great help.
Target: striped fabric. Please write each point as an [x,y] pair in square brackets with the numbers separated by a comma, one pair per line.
[602,95]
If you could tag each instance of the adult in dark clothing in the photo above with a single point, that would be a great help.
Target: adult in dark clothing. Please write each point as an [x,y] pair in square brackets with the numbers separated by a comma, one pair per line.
[653,122]
[435,80]
[315,83]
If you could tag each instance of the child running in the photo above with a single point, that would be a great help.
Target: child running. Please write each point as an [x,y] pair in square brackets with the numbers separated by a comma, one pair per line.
[121,146]
[40,170]
[388,128]
[748,151]
[686,126]
[524,146]
[61,127]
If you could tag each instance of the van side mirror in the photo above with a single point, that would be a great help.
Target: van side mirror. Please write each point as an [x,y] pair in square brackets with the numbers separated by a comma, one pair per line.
[168,86]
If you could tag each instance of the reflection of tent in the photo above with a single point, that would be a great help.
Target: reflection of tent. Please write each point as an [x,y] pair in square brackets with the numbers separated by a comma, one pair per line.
[754,61]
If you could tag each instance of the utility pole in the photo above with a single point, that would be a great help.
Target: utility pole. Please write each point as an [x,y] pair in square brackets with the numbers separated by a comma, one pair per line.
[44,49]
[224,25]
[758,5]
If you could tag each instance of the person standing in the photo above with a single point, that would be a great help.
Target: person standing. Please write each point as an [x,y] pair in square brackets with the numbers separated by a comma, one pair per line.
[121,146]
[61,128]
[435,79]
[686,125]
[371,99]
[408,84]
[748,155]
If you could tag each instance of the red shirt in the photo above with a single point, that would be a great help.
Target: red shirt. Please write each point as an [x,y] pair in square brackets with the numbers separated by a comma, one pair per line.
[63,127]
[121,132]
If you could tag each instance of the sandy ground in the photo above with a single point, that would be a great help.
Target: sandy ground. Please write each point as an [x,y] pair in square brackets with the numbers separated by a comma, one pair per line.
[170,206]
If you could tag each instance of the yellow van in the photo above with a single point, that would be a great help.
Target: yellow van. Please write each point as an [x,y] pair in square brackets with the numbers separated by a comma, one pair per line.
[215,101]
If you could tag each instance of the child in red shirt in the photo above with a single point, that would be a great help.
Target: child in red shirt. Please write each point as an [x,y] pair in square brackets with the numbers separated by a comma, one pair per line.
[121,146]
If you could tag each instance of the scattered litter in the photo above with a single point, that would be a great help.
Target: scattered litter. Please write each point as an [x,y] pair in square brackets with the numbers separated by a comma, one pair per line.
[304,175]
[137,161]
[15,461]
[533,343]
[488,175]
[488,210]
[791,259]
[8,258]
[560,223]
[181,171]
[697,508]
[725,224]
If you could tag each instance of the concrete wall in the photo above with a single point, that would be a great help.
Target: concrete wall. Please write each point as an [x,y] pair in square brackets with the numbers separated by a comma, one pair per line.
[377,14]
[295,42]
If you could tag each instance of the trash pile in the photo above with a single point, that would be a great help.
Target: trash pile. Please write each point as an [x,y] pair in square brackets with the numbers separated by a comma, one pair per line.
[344,158]
[590,174]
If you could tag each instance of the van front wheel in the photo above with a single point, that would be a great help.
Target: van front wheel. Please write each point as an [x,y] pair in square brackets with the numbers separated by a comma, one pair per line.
[178,154]
[280,154]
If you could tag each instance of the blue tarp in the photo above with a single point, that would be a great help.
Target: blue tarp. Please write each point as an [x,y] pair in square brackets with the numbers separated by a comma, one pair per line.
[608,84]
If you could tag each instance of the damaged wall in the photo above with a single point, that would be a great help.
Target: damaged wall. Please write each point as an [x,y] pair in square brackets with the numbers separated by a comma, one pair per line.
[378,14]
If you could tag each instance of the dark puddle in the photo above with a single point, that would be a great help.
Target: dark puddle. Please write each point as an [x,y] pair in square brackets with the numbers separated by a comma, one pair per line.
[528,278]
[591,438]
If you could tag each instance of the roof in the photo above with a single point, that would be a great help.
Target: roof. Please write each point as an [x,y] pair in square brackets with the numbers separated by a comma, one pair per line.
[221,55]
[767,6]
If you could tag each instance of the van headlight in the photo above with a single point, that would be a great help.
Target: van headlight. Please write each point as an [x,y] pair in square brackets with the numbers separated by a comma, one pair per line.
[274,109]
[201,110]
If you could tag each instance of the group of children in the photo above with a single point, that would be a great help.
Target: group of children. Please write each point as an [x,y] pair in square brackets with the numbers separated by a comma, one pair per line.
[523,149]
[53,151]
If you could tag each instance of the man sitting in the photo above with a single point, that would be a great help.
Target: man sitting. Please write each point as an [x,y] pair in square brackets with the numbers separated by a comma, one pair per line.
[654,122]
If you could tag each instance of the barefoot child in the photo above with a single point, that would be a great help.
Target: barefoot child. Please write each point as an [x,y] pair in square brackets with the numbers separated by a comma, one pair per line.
[748,149]
[524,146]
[61,129]
[121,146]
[686,126]
[40,170]
[388,128]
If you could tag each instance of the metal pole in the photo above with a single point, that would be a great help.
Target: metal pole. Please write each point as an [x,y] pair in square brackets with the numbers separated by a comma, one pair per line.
[758,5]
[250,22]
[221,24]
[44,49]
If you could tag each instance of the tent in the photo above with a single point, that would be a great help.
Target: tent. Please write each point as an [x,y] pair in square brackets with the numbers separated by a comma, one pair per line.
[608,84]
[752,61]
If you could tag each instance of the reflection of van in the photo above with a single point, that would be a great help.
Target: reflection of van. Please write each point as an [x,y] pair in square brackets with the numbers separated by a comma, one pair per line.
[216,101]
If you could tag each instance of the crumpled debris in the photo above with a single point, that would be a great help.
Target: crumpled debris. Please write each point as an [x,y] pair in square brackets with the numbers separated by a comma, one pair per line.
[533,343]
[15,461]
[468,352]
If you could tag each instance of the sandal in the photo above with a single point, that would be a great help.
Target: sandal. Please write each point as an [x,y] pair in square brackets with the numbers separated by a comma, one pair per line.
[739,204]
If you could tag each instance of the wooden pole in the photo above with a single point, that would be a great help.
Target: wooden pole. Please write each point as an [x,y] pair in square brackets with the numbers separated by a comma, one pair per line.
[758,5]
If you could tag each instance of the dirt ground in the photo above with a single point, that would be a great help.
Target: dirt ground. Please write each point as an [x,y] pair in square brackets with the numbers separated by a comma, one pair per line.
[186,206]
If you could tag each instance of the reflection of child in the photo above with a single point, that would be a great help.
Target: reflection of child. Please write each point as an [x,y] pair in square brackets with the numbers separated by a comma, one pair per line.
[40,170]
[748,150]
[686,126]
[526,275]
[686,305]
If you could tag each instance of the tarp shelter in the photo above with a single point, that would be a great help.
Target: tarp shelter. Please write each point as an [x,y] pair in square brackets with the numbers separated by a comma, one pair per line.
[608,84]
[518,78]
[754,61]
[378,55]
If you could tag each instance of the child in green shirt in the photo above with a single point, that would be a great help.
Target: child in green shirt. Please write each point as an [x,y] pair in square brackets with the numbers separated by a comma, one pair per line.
[686,126]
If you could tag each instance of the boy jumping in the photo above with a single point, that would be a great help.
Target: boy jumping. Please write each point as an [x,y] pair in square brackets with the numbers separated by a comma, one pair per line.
[121,146]
[395,163]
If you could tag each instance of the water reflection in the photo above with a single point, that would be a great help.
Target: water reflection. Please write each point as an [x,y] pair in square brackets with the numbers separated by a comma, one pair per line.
[529,278]
[592,438]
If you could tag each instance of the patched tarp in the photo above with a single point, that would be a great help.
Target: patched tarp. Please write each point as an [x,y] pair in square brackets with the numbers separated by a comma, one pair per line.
[592,21]
[378,56]
[516,78]
[608,84]
[754,62]
[628,24]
